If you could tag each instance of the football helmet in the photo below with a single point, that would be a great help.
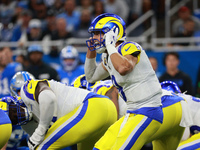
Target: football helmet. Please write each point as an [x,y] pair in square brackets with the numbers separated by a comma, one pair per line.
[170,86]
[81,82]
[16,110]
[104,23]
[18,81]
[69,52]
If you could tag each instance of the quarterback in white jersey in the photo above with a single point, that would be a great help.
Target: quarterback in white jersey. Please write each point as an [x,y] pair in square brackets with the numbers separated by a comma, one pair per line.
[63,115]
[131,73]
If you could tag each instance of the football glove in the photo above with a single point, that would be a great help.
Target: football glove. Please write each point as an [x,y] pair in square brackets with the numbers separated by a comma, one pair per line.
[37,137]
[111,36]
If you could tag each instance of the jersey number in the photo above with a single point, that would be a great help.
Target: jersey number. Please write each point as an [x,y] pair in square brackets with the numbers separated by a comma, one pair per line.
[120,89]
[4,87]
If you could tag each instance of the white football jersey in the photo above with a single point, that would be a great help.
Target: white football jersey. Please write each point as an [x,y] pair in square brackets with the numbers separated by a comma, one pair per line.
[68,98]
[140,87]
[194,105]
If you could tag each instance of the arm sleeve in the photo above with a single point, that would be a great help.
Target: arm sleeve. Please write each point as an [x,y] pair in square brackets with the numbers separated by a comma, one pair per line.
[47,104]
[94,72]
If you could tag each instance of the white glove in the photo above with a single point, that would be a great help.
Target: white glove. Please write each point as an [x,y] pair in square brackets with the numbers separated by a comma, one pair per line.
[31,144]
[37,137]
[111,36]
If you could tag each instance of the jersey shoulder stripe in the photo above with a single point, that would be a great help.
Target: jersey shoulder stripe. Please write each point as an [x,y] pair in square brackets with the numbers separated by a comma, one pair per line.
[30,86]
[130,48]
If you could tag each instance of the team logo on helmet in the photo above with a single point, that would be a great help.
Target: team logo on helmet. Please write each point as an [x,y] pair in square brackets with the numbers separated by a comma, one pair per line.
[104,23]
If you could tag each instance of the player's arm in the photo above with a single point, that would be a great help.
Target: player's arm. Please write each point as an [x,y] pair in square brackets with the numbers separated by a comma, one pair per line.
[94,72]
[123,64]
[47,101]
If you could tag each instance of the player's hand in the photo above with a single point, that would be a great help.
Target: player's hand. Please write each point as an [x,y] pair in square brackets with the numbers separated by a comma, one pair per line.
[31,144]
[36,138]
[111,36]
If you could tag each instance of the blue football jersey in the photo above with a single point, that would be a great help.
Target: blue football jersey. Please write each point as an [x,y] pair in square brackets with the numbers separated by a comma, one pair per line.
[5,77]
[68,77]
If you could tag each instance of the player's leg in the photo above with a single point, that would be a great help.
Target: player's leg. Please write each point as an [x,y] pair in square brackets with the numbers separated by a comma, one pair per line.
[110,135]
[90,120]
[133,134]
[192,143]
[5,132]
[169,141]
[169,134]
[136,132]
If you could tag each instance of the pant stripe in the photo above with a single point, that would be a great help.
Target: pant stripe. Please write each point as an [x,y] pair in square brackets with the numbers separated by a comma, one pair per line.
[66,126]
[190,146]
[143,124]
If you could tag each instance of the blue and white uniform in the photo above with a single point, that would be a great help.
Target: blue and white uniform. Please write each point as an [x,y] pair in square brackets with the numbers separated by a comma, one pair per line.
[74,111]
[5,77]
[191,136]
[142,92]
[68,77]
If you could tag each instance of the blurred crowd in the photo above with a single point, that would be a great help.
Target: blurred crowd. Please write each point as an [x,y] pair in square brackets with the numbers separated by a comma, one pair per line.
[46,20]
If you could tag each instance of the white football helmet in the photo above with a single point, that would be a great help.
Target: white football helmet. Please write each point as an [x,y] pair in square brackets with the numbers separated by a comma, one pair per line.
[18,81]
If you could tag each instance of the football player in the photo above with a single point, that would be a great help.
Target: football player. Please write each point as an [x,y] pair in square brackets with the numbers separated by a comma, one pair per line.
[130,70]
[171,104]
[8,69]
[132,74]
[103,88]
[191,136]
[63,115]
[70,65]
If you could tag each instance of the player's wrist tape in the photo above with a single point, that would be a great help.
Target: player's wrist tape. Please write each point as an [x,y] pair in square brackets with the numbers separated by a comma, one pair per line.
[41,129]
[111,49]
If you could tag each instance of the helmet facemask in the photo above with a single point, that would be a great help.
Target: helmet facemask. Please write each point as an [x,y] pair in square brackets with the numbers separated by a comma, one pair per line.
[19,115]
[104,23]
[69,58]
[96,44]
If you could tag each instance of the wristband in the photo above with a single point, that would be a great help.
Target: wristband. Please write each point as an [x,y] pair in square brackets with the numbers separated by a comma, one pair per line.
[111,49]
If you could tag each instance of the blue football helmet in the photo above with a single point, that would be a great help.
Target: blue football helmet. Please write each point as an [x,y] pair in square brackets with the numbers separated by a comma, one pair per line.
[17,110]
[18,81]
[104,23]
[170,86]
[69,52]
